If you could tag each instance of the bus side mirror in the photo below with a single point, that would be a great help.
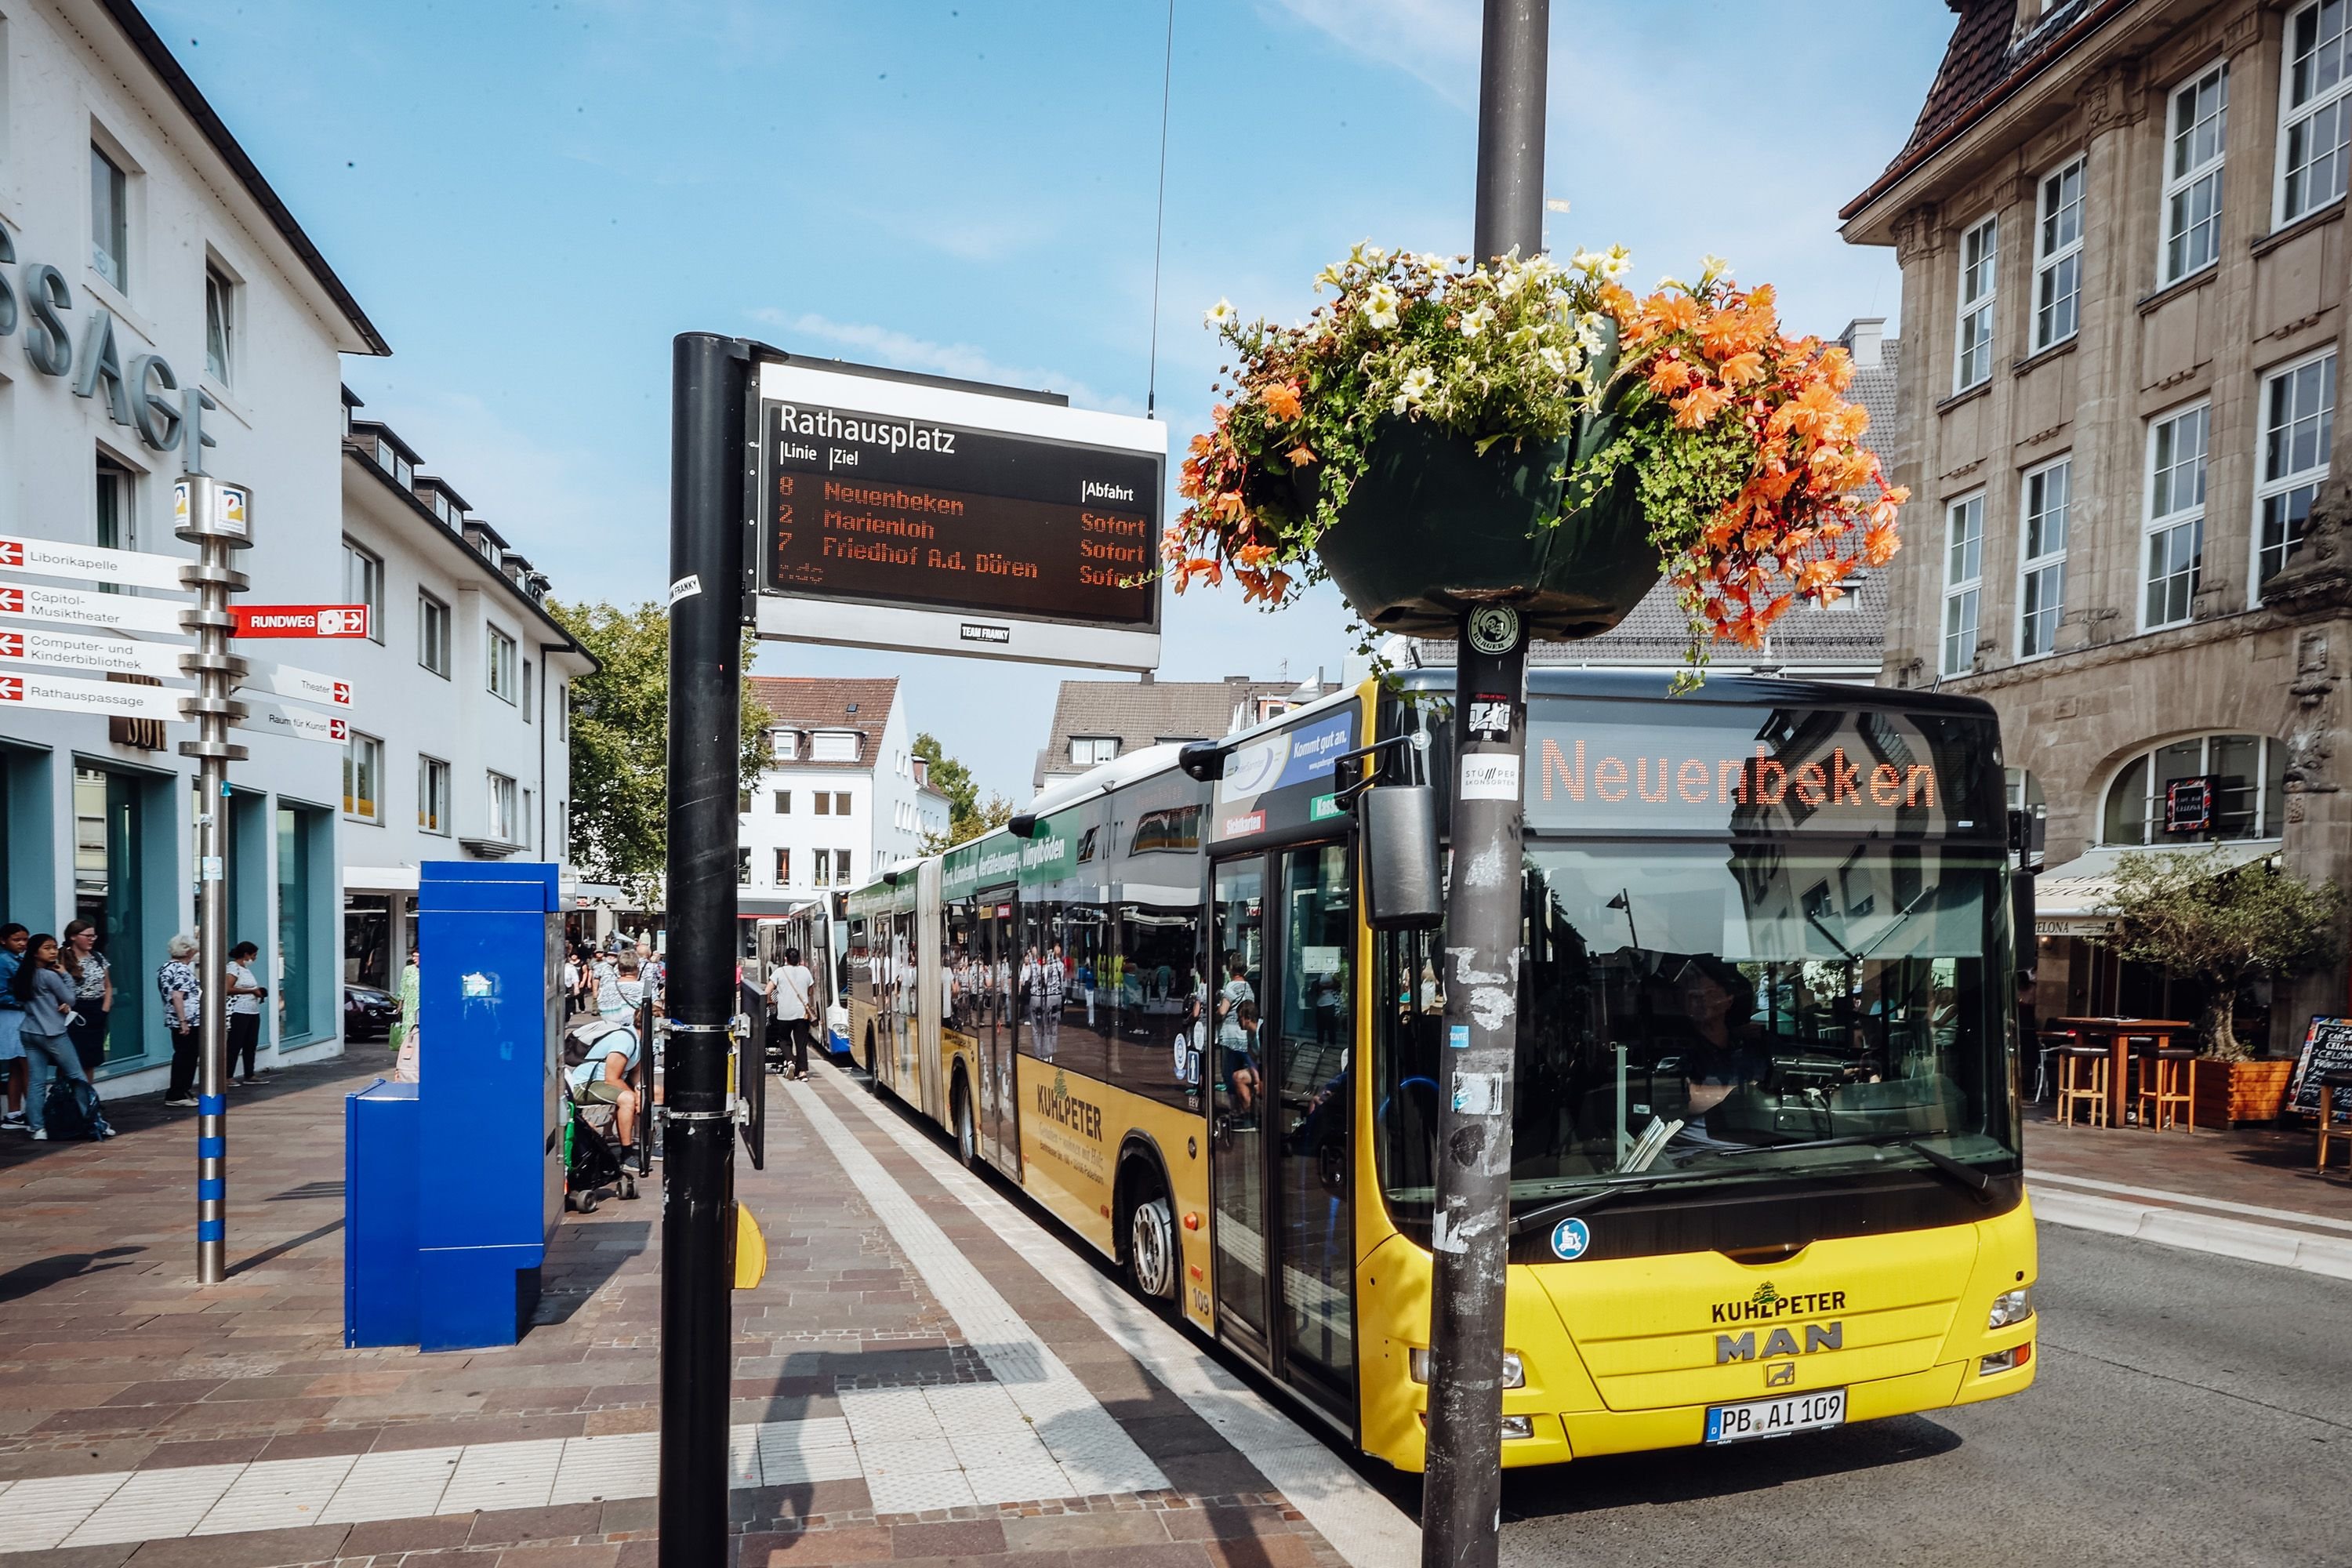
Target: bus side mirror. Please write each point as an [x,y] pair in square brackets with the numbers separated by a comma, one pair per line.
[1403,888]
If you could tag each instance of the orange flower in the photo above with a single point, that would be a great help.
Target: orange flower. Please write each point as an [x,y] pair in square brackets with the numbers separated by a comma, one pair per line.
[1743,369]
[1282,401]
[1254,554]
[1699,405]
[1669,375]
[1300,454]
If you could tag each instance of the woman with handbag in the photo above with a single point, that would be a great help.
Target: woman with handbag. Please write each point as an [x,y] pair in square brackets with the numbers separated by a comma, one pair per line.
[47,995]
[93,980]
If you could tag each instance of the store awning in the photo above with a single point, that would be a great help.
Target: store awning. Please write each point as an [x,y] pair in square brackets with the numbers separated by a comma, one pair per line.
[2068,900]
[379,878]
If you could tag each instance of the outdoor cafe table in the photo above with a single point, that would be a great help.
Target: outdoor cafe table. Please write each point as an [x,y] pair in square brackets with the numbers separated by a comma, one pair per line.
[2116,1035]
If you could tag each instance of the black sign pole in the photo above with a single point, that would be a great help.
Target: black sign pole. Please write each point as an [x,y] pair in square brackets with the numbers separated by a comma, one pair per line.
[1461,1504]
[710,377]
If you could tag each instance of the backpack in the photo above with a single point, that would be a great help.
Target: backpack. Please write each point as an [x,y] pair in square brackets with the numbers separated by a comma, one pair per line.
[71,1112]
[580,1043]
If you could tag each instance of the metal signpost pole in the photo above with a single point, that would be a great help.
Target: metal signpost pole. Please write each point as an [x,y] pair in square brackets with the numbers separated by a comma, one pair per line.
[216,518]
[1462,1491]
[711,379]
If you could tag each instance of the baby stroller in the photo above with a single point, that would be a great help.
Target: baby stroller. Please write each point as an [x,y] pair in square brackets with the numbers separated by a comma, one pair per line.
[590,1163]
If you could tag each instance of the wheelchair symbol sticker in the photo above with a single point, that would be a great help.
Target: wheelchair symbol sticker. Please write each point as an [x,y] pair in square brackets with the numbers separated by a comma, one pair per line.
[1570,1238]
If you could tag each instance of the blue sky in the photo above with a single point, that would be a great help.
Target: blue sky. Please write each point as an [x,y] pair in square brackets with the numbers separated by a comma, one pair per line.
[531,199]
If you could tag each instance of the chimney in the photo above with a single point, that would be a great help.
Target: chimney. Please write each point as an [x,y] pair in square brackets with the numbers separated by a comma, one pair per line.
[1861,340]
[1145,678]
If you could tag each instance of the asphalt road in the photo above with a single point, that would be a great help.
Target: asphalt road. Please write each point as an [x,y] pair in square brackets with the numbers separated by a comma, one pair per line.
[2190,1409]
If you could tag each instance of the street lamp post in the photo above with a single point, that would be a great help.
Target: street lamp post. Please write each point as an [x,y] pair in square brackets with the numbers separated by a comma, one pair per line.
[1470,1226]
[216,518]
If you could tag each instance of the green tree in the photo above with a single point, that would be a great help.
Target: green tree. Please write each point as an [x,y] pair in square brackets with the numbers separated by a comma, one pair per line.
[620,744]
[2199,916]
[968,816]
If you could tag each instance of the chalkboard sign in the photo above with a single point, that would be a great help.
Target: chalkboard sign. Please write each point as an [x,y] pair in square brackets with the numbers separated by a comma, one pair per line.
[2328,1046]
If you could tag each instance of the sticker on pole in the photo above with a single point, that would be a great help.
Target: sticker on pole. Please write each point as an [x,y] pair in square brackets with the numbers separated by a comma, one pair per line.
[1570,1238]
[1485,776]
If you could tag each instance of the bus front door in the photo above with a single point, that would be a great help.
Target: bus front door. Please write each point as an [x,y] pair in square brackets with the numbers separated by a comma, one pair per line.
[1283,1017]
[996,952]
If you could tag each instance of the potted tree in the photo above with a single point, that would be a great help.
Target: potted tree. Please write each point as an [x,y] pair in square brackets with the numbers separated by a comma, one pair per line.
[2201,916]
[1441,433]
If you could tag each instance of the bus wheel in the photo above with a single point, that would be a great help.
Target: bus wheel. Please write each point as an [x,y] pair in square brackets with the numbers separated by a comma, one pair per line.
[1151,1246]
[967,1136]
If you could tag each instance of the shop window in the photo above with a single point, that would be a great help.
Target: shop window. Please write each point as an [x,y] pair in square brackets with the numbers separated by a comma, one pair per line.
[2233,785]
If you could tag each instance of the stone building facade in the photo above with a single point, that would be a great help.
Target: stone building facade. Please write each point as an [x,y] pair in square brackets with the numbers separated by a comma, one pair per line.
[2121,229]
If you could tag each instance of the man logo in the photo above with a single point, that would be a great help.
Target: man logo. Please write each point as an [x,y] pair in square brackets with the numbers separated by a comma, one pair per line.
[1781,1376]
[1779,1342]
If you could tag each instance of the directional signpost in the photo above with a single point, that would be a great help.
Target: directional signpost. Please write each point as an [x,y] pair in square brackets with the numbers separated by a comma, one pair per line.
[90,563]
[71,694]
[302,685]
[90,656]
[266,717]
[299,620]
[87,607]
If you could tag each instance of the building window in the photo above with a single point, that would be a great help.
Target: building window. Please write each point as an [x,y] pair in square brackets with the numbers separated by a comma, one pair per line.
[784,745]
[562,713]
[2192,175]
[526,691]
[841,806]
[840,867]
[834,746]
[2298,422]
[1963,574]
[502,809]
[784,803]
[364,778]
[742,867]
[2247,777]
[821,802]
[2058,257]
[115,530]
[431,796]
[2315,114]
[363,585]
[2042,598]
[501,674]
[2176,516]
[433,634]
[1972,359]
[783,867]
[220,324]
[1089,751]
[110,220]
[530,818]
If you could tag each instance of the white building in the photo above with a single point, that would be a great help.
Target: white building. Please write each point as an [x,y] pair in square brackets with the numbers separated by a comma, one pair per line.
[845,797]
[460,751]
[151,270]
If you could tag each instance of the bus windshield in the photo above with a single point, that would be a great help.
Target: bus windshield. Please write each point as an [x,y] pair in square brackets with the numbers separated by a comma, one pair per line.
[1724,1014]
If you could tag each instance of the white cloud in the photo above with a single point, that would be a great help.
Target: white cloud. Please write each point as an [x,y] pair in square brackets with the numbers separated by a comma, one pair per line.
[968,362]
[1434,41]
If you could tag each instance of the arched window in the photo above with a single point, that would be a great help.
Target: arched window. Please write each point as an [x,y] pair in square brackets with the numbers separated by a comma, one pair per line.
[2247,775]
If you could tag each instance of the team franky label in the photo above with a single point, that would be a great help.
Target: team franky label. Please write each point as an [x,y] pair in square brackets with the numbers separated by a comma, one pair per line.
[1490,717]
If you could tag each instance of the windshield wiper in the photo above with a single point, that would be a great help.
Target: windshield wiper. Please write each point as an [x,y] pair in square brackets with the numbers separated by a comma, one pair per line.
[1961,1175]
[1583,1203]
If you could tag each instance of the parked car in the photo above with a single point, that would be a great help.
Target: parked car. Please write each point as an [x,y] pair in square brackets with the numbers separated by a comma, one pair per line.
[369,1013]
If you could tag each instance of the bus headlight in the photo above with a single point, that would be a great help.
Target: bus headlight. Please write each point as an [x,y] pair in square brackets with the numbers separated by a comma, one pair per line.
[2010,1306]
[1514,1373]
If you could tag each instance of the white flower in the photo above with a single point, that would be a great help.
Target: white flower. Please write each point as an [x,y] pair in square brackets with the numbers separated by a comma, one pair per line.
[1434,264]
[1416,386]
[1476,319]
[1670,281]
[1381,307]
[1513,279]
[1619,262]
[1219,315]
[1553,361]
[1588,263]
[1330,275]
[1717,267]
[1525,337]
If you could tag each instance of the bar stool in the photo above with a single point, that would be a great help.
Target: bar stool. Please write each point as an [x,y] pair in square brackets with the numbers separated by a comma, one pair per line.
[2051,1042]
[2163,1099]
[2332,1124]
[2082,1075]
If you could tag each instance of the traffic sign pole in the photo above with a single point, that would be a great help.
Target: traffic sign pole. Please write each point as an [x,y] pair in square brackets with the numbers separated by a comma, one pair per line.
[215,517]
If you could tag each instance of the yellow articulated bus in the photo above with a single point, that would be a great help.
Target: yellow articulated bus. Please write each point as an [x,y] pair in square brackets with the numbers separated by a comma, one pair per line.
[1765,1133]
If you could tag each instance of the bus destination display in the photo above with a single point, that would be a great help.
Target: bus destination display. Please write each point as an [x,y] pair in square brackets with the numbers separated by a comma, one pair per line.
[889,509]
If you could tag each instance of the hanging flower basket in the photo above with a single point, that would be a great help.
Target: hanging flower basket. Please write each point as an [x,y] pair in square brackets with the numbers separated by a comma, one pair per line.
[1441,434]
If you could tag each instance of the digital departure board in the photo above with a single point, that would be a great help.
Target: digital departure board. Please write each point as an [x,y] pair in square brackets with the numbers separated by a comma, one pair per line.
[908,513]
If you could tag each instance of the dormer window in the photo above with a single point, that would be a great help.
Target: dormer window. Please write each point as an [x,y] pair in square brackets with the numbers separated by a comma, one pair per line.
[833,746]
[784,745]
[1093,751]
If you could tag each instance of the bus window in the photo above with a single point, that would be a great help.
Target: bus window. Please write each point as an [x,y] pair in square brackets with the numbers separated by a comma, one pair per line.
[1156,989]
[858,964]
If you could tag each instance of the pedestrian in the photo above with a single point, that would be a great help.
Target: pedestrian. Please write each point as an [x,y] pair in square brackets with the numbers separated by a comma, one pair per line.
[184,1006]
[47,995]
[653,971]
[794,990]
[571,980]
[14,1067]
[245,992]
[93,980]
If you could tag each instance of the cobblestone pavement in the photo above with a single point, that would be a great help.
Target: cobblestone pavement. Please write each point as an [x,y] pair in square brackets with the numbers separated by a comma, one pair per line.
[143,1420]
